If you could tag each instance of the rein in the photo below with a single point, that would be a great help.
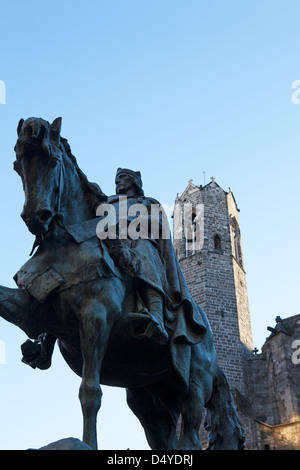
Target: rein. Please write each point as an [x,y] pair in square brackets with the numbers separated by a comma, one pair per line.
[58,217]
[59,186]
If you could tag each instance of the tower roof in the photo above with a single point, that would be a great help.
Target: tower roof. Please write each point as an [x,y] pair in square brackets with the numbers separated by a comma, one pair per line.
[191,188]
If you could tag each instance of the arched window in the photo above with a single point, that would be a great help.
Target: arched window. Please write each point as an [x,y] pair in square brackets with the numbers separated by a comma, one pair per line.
[217,242]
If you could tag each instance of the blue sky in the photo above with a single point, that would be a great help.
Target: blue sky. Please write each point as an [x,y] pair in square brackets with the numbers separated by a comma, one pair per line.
[171,88]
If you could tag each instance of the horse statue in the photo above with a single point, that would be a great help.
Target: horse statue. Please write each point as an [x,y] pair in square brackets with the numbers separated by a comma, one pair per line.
[73,290]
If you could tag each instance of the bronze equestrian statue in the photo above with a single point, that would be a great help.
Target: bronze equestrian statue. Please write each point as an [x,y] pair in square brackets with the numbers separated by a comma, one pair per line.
[118,307]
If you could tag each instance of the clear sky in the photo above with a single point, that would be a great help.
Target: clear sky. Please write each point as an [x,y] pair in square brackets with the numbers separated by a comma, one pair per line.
[171,88]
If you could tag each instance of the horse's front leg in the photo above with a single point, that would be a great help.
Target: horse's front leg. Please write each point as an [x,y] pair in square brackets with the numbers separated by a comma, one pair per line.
[94,337]
[17,306]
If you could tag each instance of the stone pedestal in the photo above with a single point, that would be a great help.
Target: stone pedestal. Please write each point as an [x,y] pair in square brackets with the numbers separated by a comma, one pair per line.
[70,443]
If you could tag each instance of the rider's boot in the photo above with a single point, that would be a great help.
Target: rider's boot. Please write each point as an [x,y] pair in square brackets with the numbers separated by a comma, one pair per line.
[38,353]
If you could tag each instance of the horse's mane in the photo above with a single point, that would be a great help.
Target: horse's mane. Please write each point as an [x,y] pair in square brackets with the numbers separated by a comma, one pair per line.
[92,191]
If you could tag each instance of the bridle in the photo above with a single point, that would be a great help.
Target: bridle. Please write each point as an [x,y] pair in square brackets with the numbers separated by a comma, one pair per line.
[58,217]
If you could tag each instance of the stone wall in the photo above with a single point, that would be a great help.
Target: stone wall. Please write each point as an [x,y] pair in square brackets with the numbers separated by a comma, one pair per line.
[281,437]
[275,387]
[239,273]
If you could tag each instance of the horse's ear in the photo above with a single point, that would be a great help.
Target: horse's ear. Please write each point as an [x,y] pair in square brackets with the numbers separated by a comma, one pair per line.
[55,128]
[21,122]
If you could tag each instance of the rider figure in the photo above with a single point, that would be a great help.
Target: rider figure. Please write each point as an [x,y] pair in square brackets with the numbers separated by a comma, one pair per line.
[149,321]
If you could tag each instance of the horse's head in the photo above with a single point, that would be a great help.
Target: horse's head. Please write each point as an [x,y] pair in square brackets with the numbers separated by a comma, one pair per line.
[39,163]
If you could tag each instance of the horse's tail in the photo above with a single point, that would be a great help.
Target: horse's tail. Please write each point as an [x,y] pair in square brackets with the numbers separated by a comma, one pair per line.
[222,422]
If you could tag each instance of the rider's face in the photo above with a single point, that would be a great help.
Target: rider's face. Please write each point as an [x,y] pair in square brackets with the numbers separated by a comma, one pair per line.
[124,184]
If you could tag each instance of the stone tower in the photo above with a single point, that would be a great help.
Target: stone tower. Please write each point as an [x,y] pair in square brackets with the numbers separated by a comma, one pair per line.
[207,241]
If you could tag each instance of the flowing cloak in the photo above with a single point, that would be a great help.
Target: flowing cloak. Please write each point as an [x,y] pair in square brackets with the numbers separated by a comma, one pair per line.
[160,268]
